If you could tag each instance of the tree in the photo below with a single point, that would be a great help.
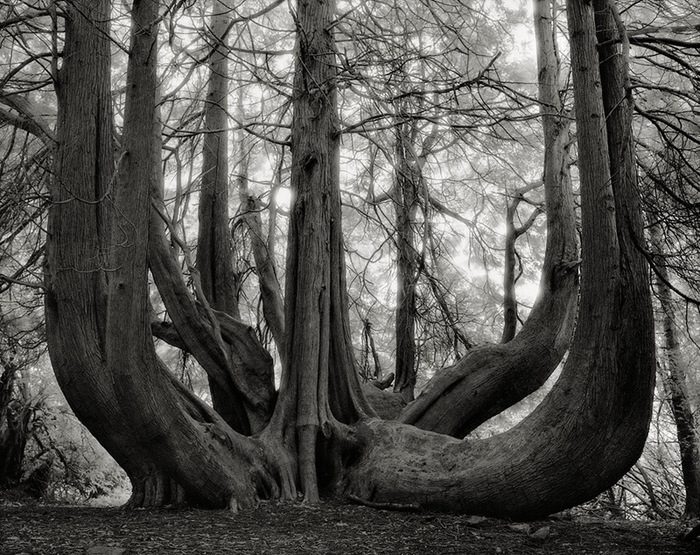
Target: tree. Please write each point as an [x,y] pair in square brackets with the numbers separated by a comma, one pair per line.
[106,227]
[84,314]
[665,83]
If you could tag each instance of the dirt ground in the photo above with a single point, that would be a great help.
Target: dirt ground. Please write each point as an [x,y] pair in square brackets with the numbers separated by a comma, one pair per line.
[330,528]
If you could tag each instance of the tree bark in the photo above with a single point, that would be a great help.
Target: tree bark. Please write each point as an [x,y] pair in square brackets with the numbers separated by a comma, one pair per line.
[214,253]
[96,301]
[674,377]
[589,430]
[491,378]
[405,201]
[76,270]
[591,427]
[614,47]
[227,349]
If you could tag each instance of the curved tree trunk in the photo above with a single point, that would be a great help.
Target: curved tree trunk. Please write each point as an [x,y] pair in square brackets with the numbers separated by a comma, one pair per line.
[592,426]
[221,467]
[491,378]
[228,350]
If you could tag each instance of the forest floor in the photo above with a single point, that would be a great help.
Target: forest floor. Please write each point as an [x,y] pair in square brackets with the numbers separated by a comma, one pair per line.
[330,528]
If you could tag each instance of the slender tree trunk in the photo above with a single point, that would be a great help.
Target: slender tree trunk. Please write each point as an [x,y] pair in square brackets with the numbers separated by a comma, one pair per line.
[675,382]
[510,302]
[405,200]
[491,378]
[214,255]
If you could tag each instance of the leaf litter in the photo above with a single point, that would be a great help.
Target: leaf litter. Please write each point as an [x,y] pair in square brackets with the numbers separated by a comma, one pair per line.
[331,528]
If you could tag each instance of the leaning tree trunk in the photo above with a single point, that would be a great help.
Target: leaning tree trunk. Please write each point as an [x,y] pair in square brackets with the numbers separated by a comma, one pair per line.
[491,378]
[221,467]
[591,428]
[265,266]
[236,363]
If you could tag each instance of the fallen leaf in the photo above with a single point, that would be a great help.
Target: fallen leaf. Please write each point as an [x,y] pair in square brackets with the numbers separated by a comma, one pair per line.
[520,528]
[542,533]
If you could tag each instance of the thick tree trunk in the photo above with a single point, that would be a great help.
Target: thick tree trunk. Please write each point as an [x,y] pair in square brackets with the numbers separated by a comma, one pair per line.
[221,467]
[76,269]
[581,439]
[491,378]
[592,427]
